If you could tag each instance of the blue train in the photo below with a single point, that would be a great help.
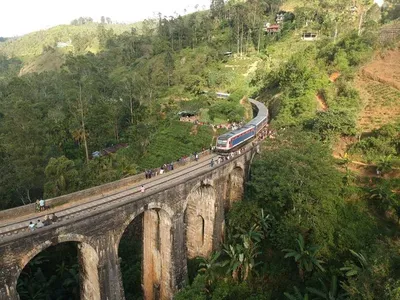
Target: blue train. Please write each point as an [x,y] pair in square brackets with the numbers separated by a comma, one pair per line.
[235,138]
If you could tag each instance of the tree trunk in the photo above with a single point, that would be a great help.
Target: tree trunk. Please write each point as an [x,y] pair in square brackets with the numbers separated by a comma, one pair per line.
[83,124]
[116,130]
[336,32]
[241,40]
[360,23]
[131,108]
[238,39]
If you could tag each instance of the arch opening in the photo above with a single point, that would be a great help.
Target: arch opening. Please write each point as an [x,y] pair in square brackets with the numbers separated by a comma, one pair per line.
[67,270]
[130,252]
[145,256]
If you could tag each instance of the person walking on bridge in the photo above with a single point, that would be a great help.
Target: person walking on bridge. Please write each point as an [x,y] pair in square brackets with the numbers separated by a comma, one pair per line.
[142,189]
[212,162]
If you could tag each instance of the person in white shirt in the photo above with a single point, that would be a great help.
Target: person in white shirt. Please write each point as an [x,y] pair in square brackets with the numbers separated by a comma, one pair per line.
[42,204]
[142,189]
[32,226]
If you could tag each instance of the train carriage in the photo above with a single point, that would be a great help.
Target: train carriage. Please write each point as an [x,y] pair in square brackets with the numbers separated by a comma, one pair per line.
[235,138]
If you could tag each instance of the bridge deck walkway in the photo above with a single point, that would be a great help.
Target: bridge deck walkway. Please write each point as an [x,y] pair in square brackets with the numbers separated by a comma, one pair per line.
[76,207]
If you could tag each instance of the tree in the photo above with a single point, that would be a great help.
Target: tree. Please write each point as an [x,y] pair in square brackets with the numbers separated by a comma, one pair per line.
[169,65]
[82,86]
[331,122]
[305,256]
[242,255]
[383,195]
[217,9]
[61,177]
[288,178]
[385,164]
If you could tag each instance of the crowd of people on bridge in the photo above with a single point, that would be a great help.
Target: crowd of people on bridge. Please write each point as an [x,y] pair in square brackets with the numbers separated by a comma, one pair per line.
[150,173]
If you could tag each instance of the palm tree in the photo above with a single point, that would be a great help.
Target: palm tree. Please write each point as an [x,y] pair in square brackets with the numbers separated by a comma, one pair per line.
[331,293]
[385,196]
[265,222]
[305,256]
[385,164]
[297,295]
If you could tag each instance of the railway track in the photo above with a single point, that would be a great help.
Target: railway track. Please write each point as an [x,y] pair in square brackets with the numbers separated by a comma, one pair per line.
[77,209]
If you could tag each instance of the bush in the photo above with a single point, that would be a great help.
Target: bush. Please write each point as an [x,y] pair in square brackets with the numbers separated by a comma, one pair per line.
[173,141]
[231,111]
[331,122]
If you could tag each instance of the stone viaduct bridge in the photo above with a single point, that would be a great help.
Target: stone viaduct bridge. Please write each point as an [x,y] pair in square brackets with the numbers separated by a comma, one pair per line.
[182,215]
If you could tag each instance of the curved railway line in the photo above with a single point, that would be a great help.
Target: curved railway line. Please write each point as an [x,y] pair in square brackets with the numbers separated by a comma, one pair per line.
[103,201]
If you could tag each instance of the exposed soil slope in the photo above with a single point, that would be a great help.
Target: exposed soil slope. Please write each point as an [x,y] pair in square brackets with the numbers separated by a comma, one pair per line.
[378,83]
[379,87]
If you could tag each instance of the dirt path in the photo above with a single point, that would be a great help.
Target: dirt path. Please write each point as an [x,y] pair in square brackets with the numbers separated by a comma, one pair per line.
[252,69]
[321,102]
[322,106]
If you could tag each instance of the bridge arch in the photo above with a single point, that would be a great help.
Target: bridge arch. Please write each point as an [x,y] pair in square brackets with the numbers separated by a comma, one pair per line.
[200,216]
[153,205]
[87,257]
[152,224]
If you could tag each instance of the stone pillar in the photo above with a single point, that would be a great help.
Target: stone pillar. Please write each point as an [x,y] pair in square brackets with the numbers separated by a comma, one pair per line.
[179,275]
[110,278]
[236,186]
[8,286]
[157,248]
[89,275]
[200,219]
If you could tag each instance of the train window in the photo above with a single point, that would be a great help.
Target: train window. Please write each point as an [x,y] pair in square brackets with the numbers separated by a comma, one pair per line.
[221,143]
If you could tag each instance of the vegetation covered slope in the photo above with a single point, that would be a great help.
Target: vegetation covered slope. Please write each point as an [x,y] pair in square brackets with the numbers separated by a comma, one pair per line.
[307,221]
[77,37]
[45,50]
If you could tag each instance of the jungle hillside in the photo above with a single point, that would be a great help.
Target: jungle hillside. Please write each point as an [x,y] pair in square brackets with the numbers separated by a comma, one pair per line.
[321,212]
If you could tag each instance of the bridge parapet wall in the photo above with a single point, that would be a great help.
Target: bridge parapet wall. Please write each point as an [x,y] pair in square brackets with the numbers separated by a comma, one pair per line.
[84,194]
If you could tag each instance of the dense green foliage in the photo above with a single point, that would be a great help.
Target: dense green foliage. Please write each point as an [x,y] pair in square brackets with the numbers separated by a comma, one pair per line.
[48,277]
[307,214]
[305,76]
[188,139]
[380,144]
[304,228]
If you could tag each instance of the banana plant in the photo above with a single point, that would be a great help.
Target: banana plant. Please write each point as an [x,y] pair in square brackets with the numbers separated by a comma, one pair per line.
[305,256]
